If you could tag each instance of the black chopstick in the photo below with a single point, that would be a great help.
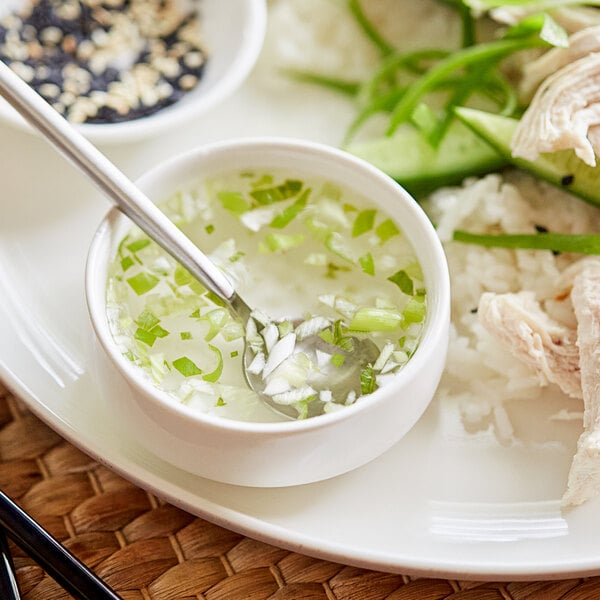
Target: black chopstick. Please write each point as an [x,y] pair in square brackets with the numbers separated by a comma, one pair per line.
[58,562]
[9,589]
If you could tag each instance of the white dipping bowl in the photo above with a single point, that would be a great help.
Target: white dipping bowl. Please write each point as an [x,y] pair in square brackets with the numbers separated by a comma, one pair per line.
[290,452]
[233,31]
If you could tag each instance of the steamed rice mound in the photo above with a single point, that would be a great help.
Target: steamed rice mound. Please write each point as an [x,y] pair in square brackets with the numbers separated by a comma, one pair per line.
[481,376]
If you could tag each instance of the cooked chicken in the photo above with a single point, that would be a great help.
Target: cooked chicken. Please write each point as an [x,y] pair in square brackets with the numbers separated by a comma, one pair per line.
[580,45]
[520,324]
[564,109]
[564,285]
[584,476]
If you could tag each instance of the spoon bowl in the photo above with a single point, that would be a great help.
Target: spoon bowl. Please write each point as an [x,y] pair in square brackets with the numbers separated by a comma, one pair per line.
[342,381]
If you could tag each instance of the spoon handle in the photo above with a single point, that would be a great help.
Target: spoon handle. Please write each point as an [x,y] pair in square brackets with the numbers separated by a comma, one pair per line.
[128,197]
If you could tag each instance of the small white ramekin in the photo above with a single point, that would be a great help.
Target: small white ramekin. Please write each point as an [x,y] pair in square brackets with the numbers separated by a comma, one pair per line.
[292,452]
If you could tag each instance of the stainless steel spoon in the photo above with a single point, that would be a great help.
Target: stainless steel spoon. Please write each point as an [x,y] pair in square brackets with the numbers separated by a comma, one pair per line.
[150,219]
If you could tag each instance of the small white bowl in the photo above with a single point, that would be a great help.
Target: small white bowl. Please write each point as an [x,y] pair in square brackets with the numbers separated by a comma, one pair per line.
[234,32]
[291,452]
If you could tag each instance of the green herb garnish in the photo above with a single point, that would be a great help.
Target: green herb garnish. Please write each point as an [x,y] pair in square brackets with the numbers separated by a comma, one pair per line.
[187,367]
[364,222]
[368,383]
[291,212]
[214,375]
[555,242]
[403,281]
[143,282]
[366,263]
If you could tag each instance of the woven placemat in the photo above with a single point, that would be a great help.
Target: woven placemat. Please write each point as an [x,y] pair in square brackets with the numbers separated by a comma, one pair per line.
[149,550]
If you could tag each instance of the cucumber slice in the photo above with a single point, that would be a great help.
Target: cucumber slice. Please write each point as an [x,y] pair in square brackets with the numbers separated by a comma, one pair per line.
[409,158]
[562,169]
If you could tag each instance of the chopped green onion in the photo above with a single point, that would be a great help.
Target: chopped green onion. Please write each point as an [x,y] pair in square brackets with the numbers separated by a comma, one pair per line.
[403,281]
[143,283]
[234,354]
[364,222]
[556,242]
[159,332]
[291,212]
[333,192]
[386,230]
[366,263]
[144,336]
[234,202]
[368,319]
[127,262]
[147,320]
[186,366]
[335,243]
[337,360]
[414,311]
[209,229]
[332,270]
[214,375]
[237,256]
[185,335]
[336,336]
[220,402]
[138,245]
[216,320]
[286,190]
[215,299]
[264,180]
[368,382]
[280,242]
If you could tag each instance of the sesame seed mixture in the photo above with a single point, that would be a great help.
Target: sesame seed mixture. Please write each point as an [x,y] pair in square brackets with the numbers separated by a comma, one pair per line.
[105,61]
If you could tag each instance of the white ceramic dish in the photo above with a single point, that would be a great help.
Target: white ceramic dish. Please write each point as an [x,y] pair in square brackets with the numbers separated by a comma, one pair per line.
[283,453]
[442,502]
[234,32]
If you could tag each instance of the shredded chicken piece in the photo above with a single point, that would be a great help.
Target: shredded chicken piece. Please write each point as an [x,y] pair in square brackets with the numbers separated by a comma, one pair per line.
[520,324]
[565,107]
[564,285]
[584,476]
[580,45]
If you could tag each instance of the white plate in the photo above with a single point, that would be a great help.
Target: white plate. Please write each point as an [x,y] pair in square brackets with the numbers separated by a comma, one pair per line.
[442,502]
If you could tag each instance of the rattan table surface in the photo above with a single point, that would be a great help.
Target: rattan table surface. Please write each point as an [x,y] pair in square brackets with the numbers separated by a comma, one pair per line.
[147,549]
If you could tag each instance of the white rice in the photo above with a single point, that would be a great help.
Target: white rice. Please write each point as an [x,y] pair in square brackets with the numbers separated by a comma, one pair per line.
[321,36]
[481,376]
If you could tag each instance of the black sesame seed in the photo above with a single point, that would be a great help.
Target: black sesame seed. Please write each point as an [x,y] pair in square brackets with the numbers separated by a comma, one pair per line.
[541,229]
[567,180]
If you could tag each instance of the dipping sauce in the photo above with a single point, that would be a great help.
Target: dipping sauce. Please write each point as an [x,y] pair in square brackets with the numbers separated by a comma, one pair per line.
[105,62]
[295,246]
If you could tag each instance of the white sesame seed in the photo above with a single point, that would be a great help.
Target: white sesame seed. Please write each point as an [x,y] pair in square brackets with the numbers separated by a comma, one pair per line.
[188,82]
[49,90]
[51,35]
[25,72]
[193,59]
[168,66]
